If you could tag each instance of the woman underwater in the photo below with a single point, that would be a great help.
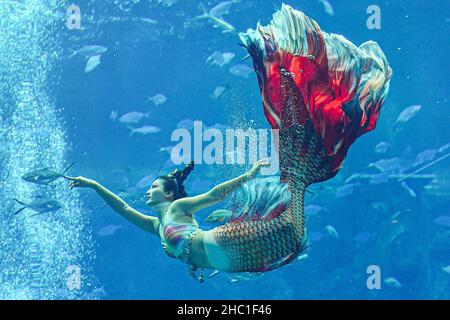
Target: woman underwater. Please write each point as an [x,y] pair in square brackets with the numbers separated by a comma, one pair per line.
[321,92]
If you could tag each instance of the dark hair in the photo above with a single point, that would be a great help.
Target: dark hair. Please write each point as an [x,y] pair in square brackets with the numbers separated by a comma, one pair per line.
[174,181]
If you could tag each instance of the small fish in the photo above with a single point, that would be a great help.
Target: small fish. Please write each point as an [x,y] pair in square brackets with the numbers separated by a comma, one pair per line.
[187,124]
[312,210]
[407,114]
[332,231]
[327,7]
[302,257]
[408,189]
[157,99]
[220,59]
[444,147]
[382,147]
[113,115]
[424,156]
[244,276]
[92,63]
[442,221]
[396,215]
[109,230]
[45,176]
[241,70]
[218,92]
[218,22]
[133,117]
[214,273]
[220,215]
[144,130]
[40,205]
[446,269]
[391,281]
[222,8]
[167,149]
[392,164]
[345,190]
[89,51]
[165,3]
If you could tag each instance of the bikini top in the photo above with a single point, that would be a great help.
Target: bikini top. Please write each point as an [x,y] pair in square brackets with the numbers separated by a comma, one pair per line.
[175,236]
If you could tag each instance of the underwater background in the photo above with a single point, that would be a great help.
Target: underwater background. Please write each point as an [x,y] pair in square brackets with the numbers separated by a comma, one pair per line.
[67,90]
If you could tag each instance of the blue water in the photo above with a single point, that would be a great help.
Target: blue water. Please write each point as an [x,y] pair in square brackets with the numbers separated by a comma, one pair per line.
[53,113]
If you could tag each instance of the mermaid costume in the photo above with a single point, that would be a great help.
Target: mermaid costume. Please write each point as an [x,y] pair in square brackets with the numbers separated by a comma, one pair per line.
[321,92]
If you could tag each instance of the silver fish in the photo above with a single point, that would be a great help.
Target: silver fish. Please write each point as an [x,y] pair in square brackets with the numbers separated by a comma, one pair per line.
[218,92]
[222,8]
[217,21]
[144,130]
[45,176]
[424,156]
[244,276]
[187,124]
[113,115]
[442,221]
[327,7]
[391,281]
[40,205]
[312,210]
[302,257]
[345,190]
[165,3]
[408,113]
[109,230]
[92,63]
[332,231]
[241,70]
[133,117]
[167,149]
[157,99]
[382,147]
[392,164]
[89,51]
[220,58]
[214,273]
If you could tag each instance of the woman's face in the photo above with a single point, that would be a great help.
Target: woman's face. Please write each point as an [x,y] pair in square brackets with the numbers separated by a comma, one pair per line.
[156,194]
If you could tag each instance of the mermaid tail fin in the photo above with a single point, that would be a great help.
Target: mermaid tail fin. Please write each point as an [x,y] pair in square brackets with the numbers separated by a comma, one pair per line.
[309,78]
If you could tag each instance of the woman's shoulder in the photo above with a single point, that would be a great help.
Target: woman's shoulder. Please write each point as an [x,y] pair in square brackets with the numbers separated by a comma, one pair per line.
[175,211]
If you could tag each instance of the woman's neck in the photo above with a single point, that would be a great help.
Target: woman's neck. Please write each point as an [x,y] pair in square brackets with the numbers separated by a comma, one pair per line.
[161,208]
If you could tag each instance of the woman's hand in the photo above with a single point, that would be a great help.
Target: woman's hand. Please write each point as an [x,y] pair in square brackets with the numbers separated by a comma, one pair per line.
[80,182]
[253,172]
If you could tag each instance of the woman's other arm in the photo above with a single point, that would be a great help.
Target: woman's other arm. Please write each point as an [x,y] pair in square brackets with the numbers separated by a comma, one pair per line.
[219,192]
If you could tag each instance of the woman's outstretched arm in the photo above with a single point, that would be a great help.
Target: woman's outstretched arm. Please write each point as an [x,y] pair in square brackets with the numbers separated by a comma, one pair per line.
[147,223]
[219,192]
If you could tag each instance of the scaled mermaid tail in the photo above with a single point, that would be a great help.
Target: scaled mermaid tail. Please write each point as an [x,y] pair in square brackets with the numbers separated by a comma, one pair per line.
[322,92]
